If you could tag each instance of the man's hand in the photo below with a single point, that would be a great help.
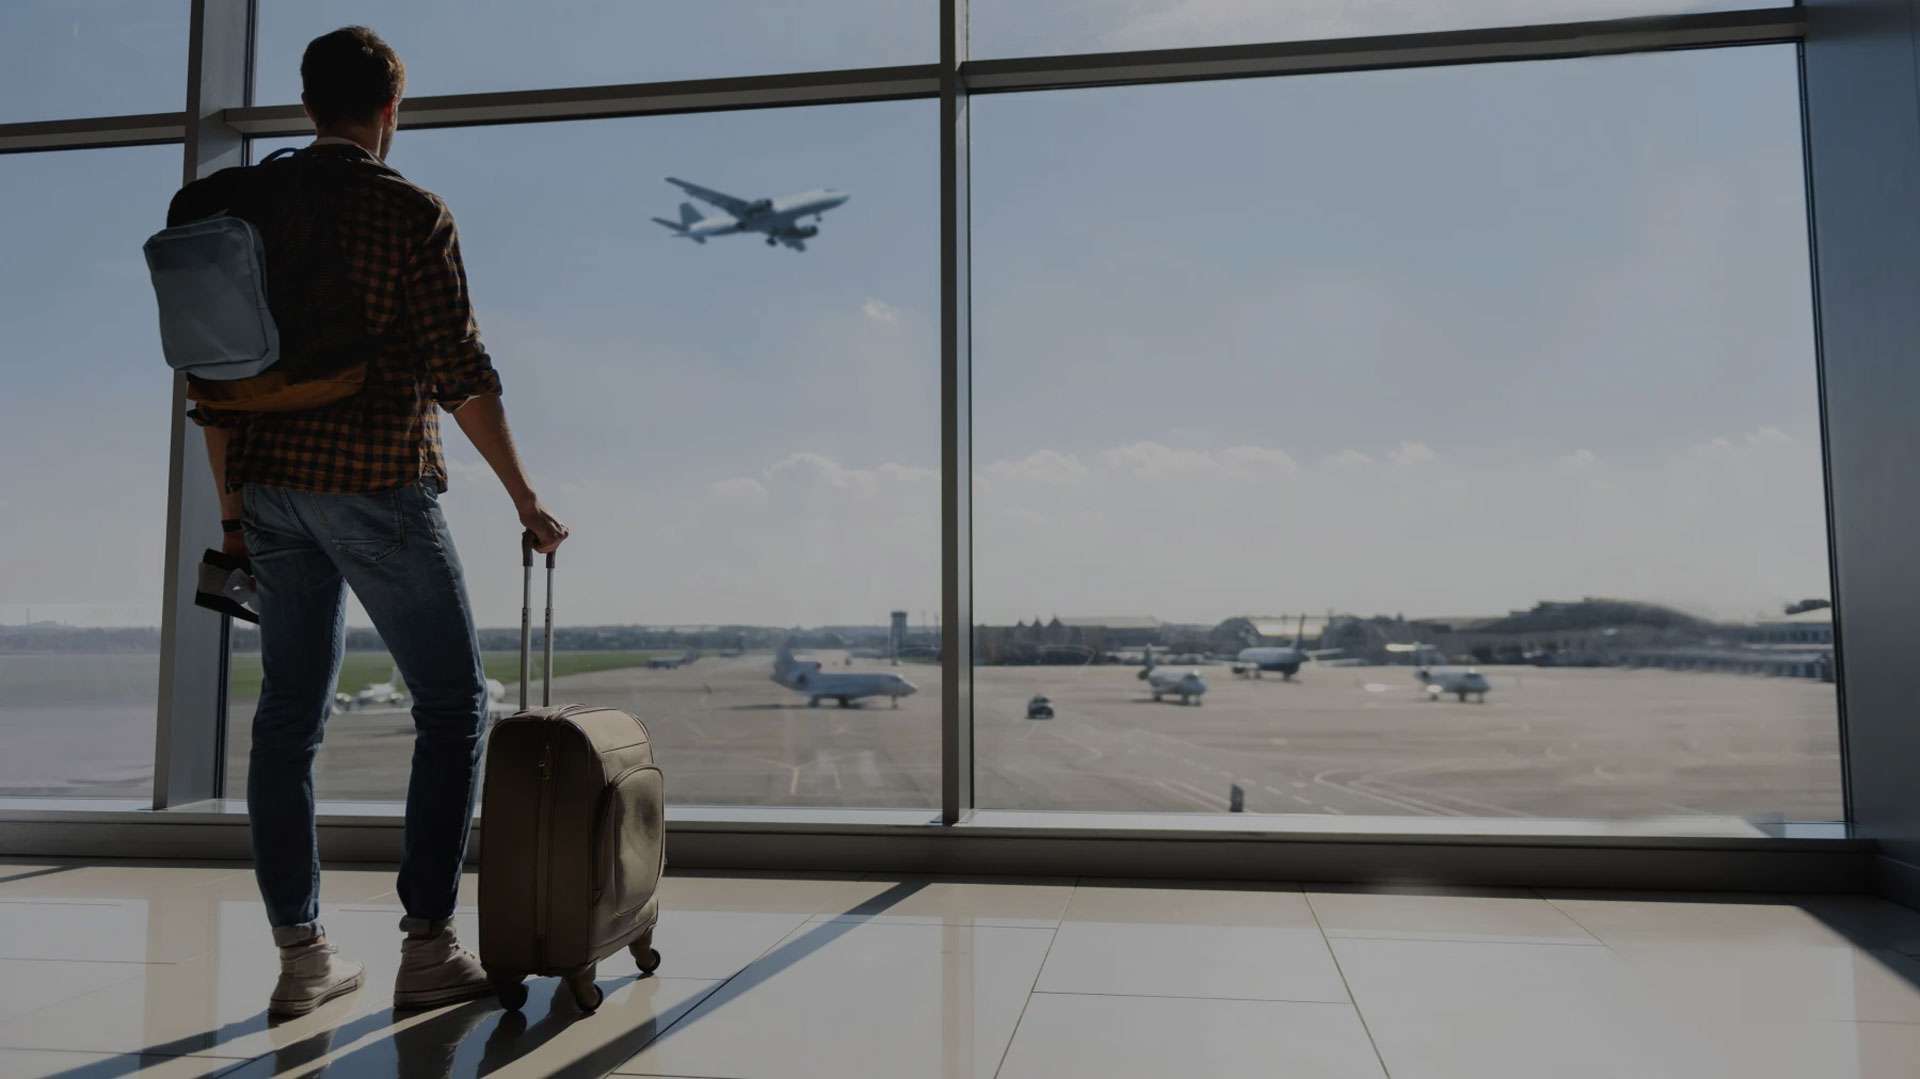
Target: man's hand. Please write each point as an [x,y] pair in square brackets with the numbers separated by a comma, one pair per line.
[234,544]
[548,532]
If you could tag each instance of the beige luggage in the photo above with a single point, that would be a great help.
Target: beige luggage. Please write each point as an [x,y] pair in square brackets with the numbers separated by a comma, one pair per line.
[572,836]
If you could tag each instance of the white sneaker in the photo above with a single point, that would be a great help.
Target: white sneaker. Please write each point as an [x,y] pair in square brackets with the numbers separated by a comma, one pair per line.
[311,973]
[435,969]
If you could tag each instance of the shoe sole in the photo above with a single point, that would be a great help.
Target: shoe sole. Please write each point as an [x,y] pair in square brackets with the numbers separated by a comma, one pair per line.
[286,1009]
[433,998]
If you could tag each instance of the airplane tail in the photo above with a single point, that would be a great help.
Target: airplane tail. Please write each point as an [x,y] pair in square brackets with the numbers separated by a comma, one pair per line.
[688,215]
[1300,634]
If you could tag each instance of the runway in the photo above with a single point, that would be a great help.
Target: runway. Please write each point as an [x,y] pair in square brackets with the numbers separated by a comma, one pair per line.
[1586,743]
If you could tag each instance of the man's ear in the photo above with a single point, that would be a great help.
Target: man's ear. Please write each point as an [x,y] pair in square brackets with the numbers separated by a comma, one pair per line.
[308,109]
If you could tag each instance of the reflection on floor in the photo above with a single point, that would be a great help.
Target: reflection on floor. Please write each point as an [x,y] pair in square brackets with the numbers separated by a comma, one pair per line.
[114,970]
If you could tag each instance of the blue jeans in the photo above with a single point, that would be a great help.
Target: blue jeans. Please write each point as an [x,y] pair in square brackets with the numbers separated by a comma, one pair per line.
[394,550]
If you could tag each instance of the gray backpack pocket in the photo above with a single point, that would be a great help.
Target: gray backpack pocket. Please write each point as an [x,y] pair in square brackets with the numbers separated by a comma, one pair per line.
[211,283]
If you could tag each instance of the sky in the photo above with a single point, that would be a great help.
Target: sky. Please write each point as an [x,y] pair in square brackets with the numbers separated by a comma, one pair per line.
[1438,342]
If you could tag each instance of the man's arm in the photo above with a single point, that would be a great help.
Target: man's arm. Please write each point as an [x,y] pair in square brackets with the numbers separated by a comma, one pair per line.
[484,419]
[218,438]
[464,381]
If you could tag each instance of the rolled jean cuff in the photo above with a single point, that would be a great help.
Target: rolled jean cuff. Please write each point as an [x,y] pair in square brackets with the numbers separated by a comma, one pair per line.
[424,927]
[293,936]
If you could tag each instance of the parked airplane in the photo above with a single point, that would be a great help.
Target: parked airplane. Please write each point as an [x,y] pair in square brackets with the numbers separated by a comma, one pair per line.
[778,218]
[376,693]
[1189,687]
[389,693]
[1285,661]
[1461,684]
[672,663]
[805,676]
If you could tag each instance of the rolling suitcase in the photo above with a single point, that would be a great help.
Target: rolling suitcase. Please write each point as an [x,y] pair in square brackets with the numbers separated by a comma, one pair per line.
[572,835]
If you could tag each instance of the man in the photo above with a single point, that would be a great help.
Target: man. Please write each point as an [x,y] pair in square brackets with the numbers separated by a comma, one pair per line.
[347,496]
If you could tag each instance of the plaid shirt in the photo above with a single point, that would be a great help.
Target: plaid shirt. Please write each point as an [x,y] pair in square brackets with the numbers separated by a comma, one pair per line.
[400,243]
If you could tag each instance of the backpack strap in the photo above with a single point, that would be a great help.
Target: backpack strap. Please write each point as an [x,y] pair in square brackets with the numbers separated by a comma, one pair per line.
[280,153]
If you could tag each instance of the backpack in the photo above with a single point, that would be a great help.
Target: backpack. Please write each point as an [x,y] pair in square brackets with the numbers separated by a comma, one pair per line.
[257,302]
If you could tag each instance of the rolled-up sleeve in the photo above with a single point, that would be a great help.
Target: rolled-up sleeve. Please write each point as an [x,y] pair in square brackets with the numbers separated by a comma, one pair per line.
[441,316]
[207,417]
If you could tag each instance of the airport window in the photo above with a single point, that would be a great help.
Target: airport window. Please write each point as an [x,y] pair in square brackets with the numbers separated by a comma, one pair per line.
[53,54]
[83,498]
[452,46]
[1006,28]
[1449,438]
[741,430]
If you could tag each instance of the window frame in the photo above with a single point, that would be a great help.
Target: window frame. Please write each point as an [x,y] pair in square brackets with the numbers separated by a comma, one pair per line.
[221,117]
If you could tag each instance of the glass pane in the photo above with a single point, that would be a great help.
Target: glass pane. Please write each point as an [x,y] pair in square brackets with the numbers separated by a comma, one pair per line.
[61,59]
[1476,381]
[453,47]
[84,427]
[1001,28]
[744,438]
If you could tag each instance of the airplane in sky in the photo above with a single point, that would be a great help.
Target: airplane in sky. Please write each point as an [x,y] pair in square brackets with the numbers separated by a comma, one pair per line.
[1189,687]
[779,219]
[1251,662]
[805,676]
[1462,684]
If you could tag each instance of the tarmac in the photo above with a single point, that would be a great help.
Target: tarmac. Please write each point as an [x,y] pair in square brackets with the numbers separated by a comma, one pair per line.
[1606,743]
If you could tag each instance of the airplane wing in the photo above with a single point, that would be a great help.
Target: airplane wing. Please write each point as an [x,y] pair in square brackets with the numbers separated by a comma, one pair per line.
[734,206]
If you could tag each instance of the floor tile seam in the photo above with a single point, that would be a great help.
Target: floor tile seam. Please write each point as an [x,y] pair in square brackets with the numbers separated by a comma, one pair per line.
[1192,996]
[151,1051]
[1542,943]
[1359,1013]
[1026,1003]
[102,962]
[1568,915]
[928,920]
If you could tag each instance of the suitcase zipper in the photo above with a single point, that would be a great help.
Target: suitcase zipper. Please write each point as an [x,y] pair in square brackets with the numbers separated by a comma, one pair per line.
[541,856]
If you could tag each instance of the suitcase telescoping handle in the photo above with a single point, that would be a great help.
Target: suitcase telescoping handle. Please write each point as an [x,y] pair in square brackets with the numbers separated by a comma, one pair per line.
[526,626]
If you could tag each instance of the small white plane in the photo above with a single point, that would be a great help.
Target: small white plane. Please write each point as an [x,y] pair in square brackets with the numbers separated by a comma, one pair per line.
[1286,662]
[805,676]
[375,693]
[387,693]
[779,219]
[1462,684]
[1189,687]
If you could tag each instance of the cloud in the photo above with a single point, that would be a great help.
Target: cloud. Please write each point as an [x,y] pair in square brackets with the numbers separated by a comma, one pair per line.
[1349,458]
[1158,461]
[1578,459]
[815,471]
[1250,460]
[1755,441]
[880,311]
[742,490]
[1042,466]
[1411,453]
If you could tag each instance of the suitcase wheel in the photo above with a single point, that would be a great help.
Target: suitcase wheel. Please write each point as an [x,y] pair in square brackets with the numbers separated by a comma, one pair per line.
[647,957]
[512,992]
[585,993]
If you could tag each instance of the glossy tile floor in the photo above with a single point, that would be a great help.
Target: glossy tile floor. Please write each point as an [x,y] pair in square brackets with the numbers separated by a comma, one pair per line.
[164,971]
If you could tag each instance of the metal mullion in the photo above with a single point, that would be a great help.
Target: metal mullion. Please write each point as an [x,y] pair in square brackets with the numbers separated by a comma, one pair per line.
[956,434]
[93,132]
[190,727]
[1552,41]
[636,99]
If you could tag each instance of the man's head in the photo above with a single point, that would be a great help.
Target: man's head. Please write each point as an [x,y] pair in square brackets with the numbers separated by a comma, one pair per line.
[351,82]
